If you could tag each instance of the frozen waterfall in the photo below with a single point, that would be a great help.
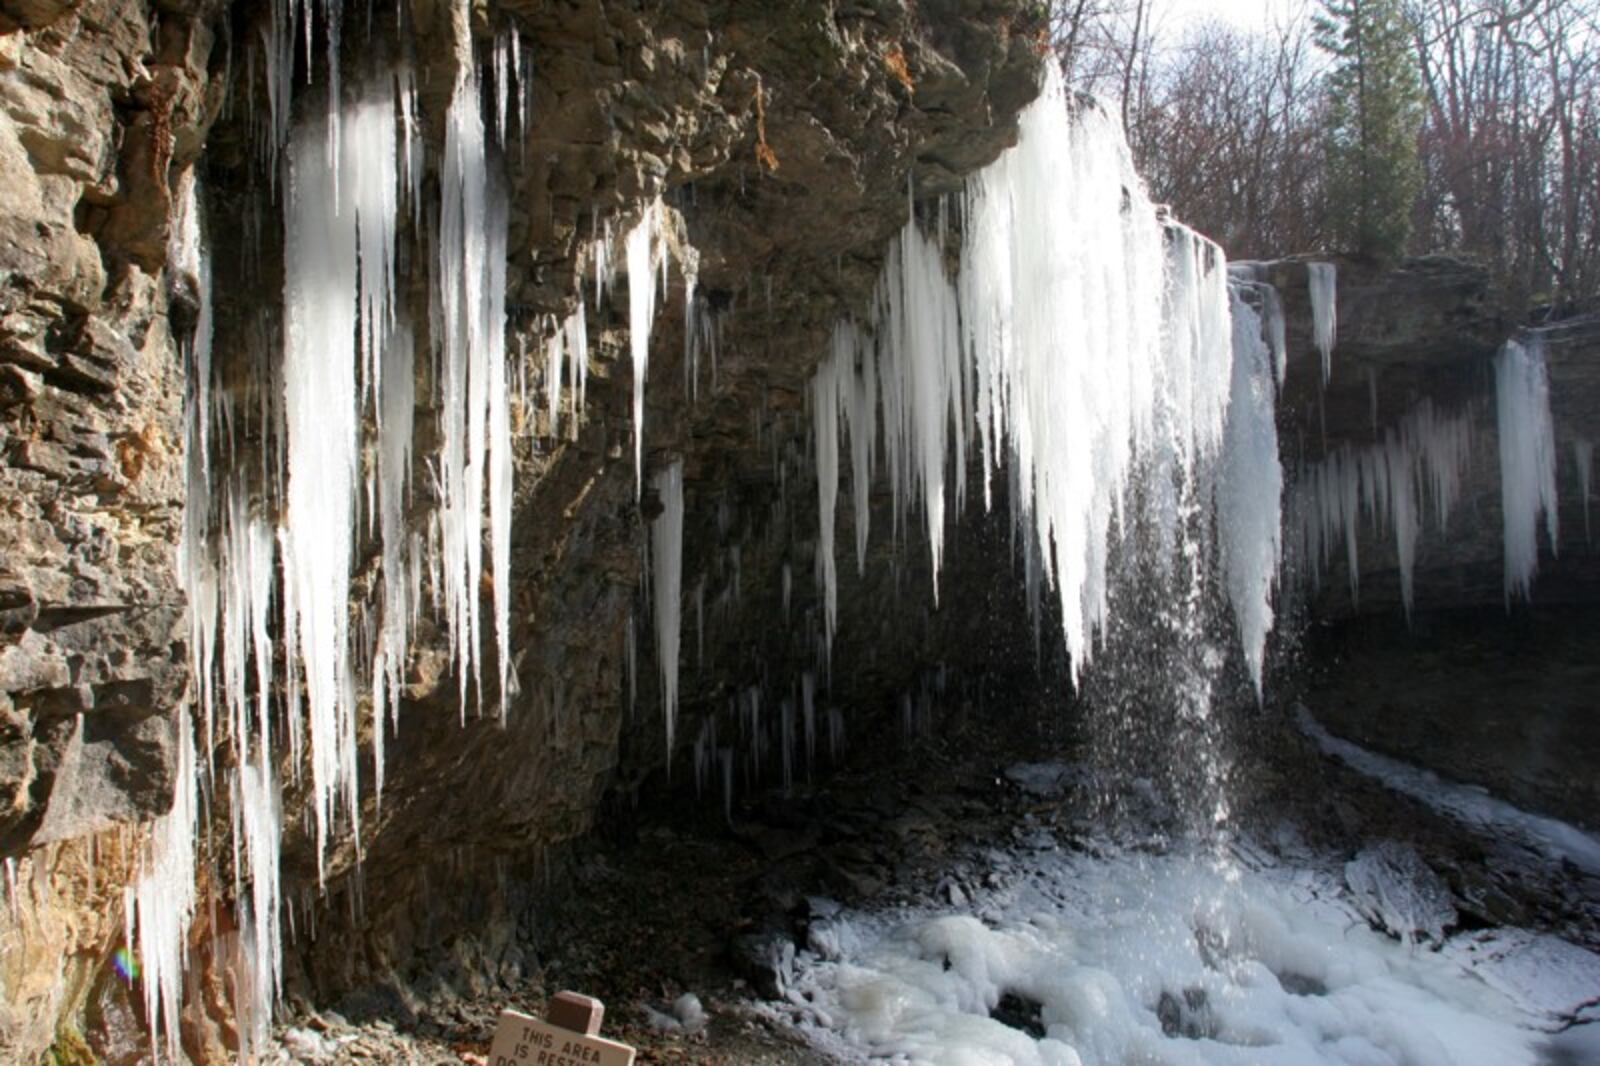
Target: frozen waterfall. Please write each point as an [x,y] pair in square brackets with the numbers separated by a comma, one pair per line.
[1085,375]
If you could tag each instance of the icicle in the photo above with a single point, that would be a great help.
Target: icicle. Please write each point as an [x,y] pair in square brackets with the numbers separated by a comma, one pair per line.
[555,355]
[258,804]
[1323,281]
[575,337]
[505,44]
[1084,369]
[640,247]
[1527,459]
[189,270]
[691,325]
[1425,455]
[825,389]
[1583,459]
[666,544]
[321,323]
[1250,490]
[159,905]
[630,661]
[470,326]
[1070,369]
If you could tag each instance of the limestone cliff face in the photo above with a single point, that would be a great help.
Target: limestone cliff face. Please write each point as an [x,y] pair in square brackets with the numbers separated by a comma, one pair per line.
[787,139]
[101,102]
[1494,691]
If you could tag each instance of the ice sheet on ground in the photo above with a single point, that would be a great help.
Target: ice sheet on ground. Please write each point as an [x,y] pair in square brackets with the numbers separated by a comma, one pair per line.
[1167,960]
[1555,839]
[1547,977]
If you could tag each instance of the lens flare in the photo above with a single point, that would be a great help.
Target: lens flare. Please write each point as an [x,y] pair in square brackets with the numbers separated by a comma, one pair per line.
[125,964]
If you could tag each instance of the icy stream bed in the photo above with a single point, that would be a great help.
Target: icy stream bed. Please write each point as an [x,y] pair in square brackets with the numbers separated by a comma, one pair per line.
[1104,955]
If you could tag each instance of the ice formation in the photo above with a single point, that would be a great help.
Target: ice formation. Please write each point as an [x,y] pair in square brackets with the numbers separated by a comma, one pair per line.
[1079,374]
[825,405]
[1250,490]
[1554,839]
[470,332]
[1253,275]
[332,235]
[642,246]
[159,905]
[347,355]
[1583,463]
[1323,281]
[1153,958]
[666,566]
[1421,460]
[1527,459]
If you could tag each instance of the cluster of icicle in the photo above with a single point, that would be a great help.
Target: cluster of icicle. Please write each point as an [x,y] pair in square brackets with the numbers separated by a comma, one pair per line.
[1087,344]
[348,362]
[1423,461]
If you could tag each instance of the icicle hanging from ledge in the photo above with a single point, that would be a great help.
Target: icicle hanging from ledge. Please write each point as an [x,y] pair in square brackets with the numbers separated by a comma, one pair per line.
[1423,457]
[1250,489]
[470,330]
[347,352]
[666,570]
[1527,460]
[1322,279]
[642,247]
[1081,371]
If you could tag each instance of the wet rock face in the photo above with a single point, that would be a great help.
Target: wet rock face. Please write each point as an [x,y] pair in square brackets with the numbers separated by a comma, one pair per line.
[101,101]
[98,101]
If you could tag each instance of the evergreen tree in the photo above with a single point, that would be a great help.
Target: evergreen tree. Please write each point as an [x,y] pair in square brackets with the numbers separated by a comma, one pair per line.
[1374,110]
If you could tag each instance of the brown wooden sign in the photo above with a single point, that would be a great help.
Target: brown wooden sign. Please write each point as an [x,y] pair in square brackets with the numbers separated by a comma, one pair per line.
[569,1038]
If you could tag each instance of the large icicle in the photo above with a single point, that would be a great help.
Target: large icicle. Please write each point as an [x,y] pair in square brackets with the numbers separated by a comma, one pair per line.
[1083,368]
[666,571]
[321,294]
[825,400]
[640,247]
[470,328]
[1527,459]
[1322,279]
[1583,460]
[917,316]
[1251,490]
[1068,348]
[858,390]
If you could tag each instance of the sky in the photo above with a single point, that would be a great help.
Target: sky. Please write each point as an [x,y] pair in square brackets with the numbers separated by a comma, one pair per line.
[1176,15]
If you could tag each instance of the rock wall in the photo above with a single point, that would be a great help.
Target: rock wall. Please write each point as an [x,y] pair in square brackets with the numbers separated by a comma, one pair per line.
[1493,691]
[102,102]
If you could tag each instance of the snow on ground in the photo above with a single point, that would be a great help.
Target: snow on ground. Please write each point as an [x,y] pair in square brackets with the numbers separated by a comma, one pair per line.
[1127,957]
[1472,806]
